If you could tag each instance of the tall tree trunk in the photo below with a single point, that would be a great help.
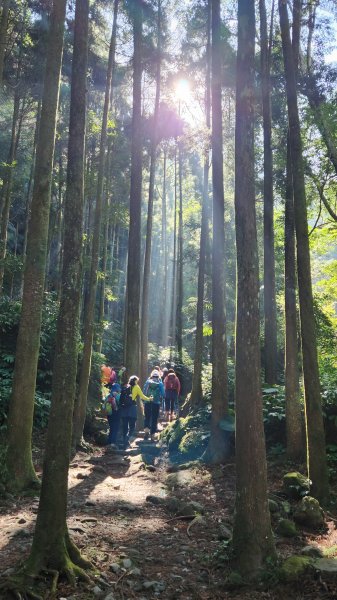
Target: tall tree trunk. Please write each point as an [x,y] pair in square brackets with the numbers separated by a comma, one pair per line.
[196,394]
[7,187]
[3,35]
[165,298]
[52,548]
[148,241]
[132,325]
[270,335]
[252,535]
[180,257]
[292,388]
[19,455]
[317,465]
[89,309]
[174,261]
[218,444]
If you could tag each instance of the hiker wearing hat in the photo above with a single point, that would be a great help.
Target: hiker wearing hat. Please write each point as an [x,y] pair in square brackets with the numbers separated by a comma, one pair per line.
[153,387]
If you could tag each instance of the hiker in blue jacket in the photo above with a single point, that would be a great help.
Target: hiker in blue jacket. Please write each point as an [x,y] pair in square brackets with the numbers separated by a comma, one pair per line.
[153,387]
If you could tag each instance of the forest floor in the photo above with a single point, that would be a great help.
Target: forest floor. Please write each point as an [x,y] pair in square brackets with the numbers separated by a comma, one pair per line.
[141,549]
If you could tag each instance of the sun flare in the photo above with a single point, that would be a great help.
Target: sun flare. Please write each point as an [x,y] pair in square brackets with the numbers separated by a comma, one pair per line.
[182,89]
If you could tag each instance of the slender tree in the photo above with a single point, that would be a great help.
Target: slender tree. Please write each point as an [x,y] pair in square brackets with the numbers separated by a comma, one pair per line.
[196,394]
[148,240]
[317,465]
[3,35]
[89,308]
[165,297]
[52,547]
[270,335]
[252,535]
[132,324]
[19,456]
[217,448]
[180,258]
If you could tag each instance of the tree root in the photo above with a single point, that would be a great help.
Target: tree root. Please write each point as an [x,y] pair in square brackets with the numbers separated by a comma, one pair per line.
[31,578]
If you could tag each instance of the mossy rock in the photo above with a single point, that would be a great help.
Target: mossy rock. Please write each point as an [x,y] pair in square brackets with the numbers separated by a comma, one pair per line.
[312,551]
[295,485]
[295,566]
[309,513]
[287,528]
[234,580]
[193,443]
[327,567]
[176,434]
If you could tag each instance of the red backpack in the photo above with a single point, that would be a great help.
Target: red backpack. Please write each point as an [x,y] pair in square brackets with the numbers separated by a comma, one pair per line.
[171,382]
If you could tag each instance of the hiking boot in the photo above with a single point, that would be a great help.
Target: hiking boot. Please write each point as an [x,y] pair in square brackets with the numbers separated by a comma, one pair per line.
[146,433]
[153,437]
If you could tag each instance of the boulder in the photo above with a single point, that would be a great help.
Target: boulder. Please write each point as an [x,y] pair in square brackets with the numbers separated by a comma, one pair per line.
[309,513]
[327,567]
[295,566]
[286,528]
[312,551]
[296,485]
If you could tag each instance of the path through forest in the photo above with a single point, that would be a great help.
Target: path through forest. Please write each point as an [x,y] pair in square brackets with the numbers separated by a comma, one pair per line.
[133,516]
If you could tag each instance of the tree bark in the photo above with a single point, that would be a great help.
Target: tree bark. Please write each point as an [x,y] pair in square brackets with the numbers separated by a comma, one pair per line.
[7,187]
[292,388]
[3,35]
[197,393]
[52,547]
[317,465]
[252,535]
[180,257]
[217,449]
[134,246]
[270,331]
[148,240]
[19,456]
[89,309]
[165,299]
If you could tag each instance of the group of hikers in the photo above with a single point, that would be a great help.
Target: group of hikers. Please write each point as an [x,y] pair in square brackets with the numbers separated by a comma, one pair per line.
[161,391]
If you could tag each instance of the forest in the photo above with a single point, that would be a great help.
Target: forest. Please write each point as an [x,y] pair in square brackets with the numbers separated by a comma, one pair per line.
[168,204]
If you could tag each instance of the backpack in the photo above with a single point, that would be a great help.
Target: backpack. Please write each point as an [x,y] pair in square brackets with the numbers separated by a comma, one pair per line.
[171,382]
[125,399]
[154,390]
[109,405]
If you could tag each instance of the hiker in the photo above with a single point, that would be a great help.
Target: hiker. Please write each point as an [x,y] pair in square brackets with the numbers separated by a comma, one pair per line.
[128,406]
[112,378]
[112,410]
[172,391]
[153,386]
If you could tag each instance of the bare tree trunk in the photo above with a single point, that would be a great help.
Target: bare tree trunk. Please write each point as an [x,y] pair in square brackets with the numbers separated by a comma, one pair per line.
[292,388]
[7,188]
[252,536]
[3,35]
[52,547]
[317,465]
[19,455]
[218,448]
[197,394]
[180,257]
[134,247]
[89,309]
[270,332]
[174,259]
[165,299]
[148,241]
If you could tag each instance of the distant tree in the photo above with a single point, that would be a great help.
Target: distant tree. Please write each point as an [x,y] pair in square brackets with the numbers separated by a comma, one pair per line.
[19,455]
[89,308]
[5,9]
[252,536]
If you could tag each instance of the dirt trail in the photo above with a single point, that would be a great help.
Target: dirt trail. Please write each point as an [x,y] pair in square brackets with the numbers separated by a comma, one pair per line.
[141,549]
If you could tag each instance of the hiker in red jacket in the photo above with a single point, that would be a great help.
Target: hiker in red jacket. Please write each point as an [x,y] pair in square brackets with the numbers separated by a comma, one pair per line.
[172,391]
